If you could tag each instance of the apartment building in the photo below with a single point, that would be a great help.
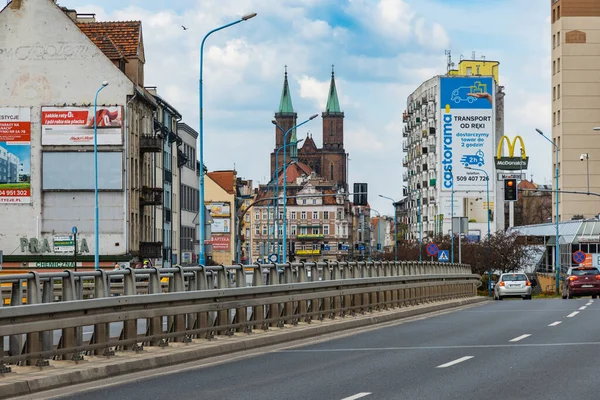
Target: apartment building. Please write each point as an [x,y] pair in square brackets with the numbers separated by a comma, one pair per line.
[575,103]
[453,125]
[188,195]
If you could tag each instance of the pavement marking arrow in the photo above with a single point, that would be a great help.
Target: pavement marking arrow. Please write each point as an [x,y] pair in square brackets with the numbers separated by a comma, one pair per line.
[518,338]
[451,363]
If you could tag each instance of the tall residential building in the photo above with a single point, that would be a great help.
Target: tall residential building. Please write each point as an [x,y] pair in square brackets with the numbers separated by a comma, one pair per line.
[453,125]
[575,103]
[188,195]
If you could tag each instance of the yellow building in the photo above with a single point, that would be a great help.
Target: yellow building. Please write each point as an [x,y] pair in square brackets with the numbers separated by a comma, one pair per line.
[219,198]
[476,68]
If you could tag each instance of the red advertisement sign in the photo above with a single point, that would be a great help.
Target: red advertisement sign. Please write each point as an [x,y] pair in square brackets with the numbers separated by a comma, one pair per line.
[75,125]
[219,242]
[15,155]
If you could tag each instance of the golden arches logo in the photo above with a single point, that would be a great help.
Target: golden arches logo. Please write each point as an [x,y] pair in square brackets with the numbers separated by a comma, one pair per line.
[511,146]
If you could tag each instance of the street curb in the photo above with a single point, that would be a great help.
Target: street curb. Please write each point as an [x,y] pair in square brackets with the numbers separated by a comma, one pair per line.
[185,353]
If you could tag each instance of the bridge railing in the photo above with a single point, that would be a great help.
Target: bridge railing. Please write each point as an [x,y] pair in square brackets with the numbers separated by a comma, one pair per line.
[200,304]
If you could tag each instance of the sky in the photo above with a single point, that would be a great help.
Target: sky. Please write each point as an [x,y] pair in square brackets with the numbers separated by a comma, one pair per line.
[382,51]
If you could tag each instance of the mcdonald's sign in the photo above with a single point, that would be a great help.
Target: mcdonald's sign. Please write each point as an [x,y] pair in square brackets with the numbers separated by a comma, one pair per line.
[509,162]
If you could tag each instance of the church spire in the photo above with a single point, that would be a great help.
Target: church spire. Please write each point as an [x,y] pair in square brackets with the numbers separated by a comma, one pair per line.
[333,104]
[285,104]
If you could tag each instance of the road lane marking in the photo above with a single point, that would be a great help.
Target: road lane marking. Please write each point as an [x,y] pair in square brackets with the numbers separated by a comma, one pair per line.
[518,338]
[555,323]
[574,313]
[582,307]
[589,304]
[451,363]
[357,396]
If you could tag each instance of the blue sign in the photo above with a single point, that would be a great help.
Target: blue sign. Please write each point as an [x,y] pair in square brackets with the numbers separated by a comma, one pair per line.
[273,258]
[579,256]
[432,249]
[467,92]
[326,247]
[74,230]
[444,256]
[362,247]
[345,247]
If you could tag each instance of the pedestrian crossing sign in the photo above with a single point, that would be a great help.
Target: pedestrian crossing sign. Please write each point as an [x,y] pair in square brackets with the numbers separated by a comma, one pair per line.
[443,256]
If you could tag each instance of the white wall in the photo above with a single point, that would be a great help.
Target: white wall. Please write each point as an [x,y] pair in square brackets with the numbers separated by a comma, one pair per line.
[46,60]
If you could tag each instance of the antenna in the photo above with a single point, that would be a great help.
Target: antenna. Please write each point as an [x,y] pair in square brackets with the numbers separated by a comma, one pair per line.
[450,64]
[473,55]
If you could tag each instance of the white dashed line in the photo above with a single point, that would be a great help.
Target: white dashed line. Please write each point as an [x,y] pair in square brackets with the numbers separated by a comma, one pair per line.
[357,396]
[555,323]
[574,313]
[582,307]
[451,363]
[520,338]
[589,304]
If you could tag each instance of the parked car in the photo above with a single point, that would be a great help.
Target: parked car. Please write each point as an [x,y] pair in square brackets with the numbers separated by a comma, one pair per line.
[581,281]
[514,285]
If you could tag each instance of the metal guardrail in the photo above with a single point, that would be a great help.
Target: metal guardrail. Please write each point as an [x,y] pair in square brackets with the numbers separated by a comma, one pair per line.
[282,294]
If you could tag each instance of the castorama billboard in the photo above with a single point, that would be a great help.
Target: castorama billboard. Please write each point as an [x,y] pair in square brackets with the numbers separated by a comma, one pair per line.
[467,126]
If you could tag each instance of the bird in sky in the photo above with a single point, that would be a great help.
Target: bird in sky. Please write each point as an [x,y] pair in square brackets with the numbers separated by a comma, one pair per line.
[184,28]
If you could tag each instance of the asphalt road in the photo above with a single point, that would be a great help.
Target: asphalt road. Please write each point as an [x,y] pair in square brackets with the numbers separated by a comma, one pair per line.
[511,349]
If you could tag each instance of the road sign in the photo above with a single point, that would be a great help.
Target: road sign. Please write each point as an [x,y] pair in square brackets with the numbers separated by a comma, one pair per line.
[345,247]
[273,257]
[432,249]
[503,176]
[579,256]
[64,244]
[326,247]
[361,247]
[444,256]
[74,230]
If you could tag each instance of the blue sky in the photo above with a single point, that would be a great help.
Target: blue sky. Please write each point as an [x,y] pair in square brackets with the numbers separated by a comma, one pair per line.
[382,50]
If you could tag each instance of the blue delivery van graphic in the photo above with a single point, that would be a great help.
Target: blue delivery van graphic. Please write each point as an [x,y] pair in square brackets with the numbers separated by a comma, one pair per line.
[473,159]
[463,93]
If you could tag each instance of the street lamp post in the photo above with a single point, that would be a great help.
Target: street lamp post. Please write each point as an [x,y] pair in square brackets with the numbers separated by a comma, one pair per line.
[586,157]
[285,185]
[557,244]
[202,217]
[487,191]
[96,212]
[452,216]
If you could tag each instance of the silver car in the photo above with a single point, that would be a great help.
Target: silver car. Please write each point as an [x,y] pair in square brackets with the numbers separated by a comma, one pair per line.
[513,285]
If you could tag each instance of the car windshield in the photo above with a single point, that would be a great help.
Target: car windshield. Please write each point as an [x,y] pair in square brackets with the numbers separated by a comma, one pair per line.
[581,272]
[514,277]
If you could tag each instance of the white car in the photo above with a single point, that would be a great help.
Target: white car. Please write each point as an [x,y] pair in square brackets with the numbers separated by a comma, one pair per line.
[513,285]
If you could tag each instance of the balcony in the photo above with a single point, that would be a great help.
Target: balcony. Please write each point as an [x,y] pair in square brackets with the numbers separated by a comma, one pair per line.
[151,196]
[311,236]
[151,249]
[308,252]
[151,144]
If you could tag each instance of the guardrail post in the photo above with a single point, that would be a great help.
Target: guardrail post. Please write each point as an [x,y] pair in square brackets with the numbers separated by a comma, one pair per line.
[179,320]
[258,312]
[101,289]
[129,289]
[288,306]
[15,342]
[337,300]
[154,324]
[223,316]
[33,342]
[47,297]
[347,302]
[327,275]
[70,337]
[315,304]
[274,313]
[303,304]
[241,313]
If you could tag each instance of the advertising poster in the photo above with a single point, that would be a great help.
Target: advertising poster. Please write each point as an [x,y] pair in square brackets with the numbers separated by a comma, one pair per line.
[219,209]
[75,125]
[467,132]
[15,155]
[219,242]
[221,225]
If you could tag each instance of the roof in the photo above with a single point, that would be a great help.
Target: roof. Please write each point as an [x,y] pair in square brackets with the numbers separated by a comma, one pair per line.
[187,129]
[333,104]
[309,145]
[115,39]
[569,231]
[225,179]
[294,171]
[285,104]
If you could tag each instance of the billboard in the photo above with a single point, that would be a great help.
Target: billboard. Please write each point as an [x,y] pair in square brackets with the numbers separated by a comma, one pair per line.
[75,125]
[220,225]
[219,209]
[219,242]
[467,126]
[15,155]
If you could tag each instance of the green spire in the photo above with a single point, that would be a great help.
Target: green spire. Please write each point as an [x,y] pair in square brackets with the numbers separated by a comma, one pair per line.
[285,104]
[333,104]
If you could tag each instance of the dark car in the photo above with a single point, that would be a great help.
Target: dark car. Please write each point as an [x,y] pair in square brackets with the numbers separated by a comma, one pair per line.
[581,281]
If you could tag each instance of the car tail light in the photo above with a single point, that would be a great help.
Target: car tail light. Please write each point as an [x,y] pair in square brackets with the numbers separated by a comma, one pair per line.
[501,283]
[598,277]
[572,278]
[528,283]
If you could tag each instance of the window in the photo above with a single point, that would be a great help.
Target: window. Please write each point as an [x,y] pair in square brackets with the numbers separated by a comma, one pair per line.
[280,230]
[558,65]
[553,67]
[303,230]
[264,229]
[325,214]
[469,71]
[331,128]
[303,201]
[247,233]
[293,215]
[553,41]
[294,230]
[553,16]
[247,217]
[303,215]
[326,230]
[554,93]
[558,12]
[257,230]
[558,118]
[553,118]
[558,91]
[331,172]
[339,215]
[315,230]
[315,215]
[280,214]
[264,215]
[558,39]
[257,215]
[314,201]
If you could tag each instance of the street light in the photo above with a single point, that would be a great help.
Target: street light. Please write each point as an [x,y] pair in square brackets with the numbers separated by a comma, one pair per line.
[202,217]
[285,185]
[586,157]
[96,219]
[557,245]
[487,190]
[452,216]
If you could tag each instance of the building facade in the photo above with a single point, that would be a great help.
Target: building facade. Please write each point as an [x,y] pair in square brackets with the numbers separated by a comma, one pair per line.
[453,125]
[188,196]
[220,200]
[575,103]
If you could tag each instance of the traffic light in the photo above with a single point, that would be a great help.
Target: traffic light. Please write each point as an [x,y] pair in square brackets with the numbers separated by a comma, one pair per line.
[510,190]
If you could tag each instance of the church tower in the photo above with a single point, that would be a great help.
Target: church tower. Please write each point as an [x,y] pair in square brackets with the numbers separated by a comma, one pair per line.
[334,156]
[285,118]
